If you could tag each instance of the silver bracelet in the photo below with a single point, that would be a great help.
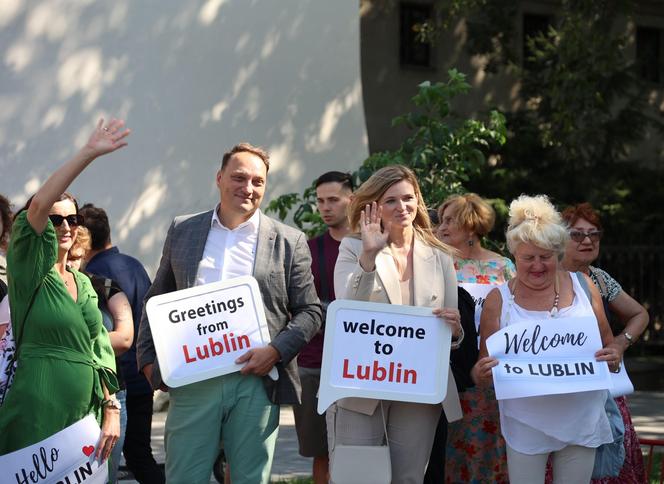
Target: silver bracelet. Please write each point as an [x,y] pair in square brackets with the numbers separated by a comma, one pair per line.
[457,342]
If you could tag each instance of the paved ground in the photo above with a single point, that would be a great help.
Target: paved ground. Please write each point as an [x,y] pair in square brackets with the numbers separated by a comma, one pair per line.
[647,414]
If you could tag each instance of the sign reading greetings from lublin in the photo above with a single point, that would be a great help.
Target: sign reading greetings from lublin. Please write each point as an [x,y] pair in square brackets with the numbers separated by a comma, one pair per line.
[199,332]
[552,356]
[384,351]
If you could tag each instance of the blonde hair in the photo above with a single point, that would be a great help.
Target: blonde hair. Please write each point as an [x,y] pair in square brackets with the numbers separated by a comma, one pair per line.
[534,220]
[376,186]
[83,241]
[470,212]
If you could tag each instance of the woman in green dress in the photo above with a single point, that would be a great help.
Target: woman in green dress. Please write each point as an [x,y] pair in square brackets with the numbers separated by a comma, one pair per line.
[66,366]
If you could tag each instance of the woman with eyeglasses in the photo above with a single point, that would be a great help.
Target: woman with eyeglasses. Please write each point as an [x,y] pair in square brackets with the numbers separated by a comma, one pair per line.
[66,365]
[585,230]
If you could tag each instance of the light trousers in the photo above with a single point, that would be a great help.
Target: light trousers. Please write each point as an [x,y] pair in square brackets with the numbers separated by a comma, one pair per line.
[410,430]
[233,408]
[571,465]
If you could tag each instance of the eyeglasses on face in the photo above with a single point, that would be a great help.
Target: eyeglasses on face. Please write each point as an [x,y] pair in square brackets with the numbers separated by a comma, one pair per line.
[579,236]
[74,220]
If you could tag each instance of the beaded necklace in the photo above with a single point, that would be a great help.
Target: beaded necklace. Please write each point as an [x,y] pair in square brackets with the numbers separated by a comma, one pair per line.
[553,312]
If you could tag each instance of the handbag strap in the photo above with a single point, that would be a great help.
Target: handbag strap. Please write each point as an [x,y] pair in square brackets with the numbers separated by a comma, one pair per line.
[382,413]
[584,284]
[17,340]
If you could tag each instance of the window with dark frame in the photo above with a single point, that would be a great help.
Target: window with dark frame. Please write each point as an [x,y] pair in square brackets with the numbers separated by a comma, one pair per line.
[412,51]
[648,54]
[533,25]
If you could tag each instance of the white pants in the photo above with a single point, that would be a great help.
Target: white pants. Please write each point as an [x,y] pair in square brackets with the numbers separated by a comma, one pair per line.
[571,465]
[410,430]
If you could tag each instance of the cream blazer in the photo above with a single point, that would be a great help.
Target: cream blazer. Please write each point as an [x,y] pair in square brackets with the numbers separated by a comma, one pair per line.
[434,285]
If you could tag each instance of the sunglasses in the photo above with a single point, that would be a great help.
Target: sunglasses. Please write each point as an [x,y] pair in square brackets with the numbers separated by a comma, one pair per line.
[73,220]
[579,236]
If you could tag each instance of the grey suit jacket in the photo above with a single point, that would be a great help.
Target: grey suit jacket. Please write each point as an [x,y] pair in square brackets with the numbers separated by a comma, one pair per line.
[282,267]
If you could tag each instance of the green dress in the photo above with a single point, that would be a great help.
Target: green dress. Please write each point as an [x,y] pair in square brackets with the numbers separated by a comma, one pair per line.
[65,353]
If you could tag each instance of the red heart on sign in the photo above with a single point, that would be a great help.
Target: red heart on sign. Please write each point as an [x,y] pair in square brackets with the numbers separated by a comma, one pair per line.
[88,450]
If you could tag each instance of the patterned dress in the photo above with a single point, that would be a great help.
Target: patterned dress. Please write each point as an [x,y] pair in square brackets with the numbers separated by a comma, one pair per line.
[65,353]
[475,450]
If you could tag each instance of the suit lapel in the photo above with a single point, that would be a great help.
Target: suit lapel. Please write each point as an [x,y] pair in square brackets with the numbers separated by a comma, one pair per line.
[199,237]
[264,248]
[424,273]
[387,272]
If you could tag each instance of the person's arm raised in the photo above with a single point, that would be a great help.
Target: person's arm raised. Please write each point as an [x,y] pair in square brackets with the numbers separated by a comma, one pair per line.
[104,139]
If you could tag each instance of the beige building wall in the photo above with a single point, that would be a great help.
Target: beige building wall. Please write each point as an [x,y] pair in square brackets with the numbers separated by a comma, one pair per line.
[192,78]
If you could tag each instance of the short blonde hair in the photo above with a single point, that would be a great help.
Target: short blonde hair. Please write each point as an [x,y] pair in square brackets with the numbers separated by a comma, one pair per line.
[376,186]
[534,220]
[470,212]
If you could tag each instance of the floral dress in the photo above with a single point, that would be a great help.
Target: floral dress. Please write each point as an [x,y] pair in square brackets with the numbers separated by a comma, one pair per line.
[475,450]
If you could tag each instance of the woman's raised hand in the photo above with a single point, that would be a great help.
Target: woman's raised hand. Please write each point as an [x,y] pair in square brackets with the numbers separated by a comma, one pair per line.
[374,237]
[106,139]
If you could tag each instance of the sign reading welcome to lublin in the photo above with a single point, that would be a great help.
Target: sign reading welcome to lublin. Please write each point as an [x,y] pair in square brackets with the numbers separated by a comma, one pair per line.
[548,357]
[199,332]
[66,457]
[383,351]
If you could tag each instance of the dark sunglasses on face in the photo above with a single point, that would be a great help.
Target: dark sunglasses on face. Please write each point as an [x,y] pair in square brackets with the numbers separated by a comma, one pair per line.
[73,220]
[579,236]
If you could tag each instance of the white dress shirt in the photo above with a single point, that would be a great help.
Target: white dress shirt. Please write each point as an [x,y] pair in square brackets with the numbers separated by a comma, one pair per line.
[228,253]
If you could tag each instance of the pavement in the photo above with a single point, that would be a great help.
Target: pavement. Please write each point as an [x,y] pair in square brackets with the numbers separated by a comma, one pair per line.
[647,410]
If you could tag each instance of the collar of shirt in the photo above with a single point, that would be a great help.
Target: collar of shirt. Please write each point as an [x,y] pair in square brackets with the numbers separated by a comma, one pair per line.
[251,225]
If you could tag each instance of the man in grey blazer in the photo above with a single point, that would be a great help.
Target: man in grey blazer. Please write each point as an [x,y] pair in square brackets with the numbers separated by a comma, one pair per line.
[242,408]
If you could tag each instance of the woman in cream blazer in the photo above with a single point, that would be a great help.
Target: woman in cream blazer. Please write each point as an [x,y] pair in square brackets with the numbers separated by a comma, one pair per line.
[394,258]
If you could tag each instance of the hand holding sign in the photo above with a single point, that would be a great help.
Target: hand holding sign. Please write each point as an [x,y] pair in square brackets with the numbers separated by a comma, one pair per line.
[549,357]
[384,351]
[66,457]
[259,361]
[211,330]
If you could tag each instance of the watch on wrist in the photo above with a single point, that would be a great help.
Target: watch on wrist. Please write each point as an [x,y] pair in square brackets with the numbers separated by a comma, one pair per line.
[629,338]
[111,403]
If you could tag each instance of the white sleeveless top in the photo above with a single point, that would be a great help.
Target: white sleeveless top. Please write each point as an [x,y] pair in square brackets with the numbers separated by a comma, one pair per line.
[537,425]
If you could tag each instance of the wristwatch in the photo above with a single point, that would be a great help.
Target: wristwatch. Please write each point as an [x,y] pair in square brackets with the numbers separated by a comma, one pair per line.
[629,338]
[111,403]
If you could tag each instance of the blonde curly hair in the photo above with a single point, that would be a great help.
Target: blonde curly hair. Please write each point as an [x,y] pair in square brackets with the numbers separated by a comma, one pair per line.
[83,242]
[534,220]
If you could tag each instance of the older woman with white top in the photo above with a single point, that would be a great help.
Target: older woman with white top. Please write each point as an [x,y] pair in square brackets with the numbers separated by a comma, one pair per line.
[570,426]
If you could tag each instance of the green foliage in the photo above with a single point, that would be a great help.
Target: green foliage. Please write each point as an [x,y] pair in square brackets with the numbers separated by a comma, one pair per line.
[584,112]
[443,151]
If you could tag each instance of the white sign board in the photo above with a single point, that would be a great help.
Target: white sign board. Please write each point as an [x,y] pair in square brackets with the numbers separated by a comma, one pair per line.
[64,458]
[199,332]
[383,351]
[548,357]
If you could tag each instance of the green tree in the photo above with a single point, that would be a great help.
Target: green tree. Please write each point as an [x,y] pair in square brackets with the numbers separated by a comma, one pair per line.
[585,111]
[443,150]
